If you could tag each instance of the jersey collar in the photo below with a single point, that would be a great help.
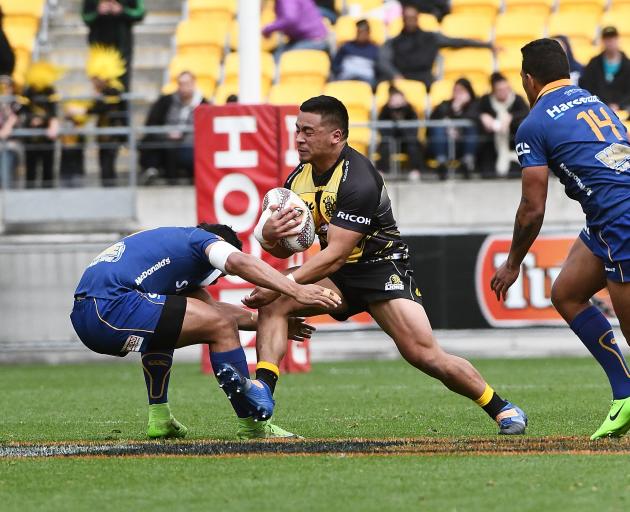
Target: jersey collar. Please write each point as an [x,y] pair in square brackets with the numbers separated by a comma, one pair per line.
[552,86]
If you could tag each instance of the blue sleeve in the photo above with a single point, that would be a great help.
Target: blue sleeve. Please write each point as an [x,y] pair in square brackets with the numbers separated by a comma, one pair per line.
[530,145]
[199,239]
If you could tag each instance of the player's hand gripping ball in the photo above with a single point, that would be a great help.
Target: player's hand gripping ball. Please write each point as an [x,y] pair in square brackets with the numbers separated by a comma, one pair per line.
[305,228]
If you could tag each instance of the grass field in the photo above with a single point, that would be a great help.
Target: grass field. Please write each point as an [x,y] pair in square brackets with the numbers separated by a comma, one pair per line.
[369,400]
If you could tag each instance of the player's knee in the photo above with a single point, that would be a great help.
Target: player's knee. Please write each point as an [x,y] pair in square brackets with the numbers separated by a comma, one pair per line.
[282,306]
[558,297]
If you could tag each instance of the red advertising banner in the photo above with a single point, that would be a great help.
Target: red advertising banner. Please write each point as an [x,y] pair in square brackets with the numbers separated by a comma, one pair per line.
[528,301]
[236,163]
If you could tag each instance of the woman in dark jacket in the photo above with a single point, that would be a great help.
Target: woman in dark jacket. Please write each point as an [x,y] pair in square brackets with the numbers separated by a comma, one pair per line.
[463,105]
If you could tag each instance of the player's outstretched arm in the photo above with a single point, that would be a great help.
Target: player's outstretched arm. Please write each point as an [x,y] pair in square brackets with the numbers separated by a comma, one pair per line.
[527,224]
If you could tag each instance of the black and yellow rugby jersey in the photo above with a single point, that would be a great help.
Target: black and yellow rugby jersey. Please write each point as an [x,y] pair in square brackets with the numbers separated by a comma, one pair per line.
[351,195]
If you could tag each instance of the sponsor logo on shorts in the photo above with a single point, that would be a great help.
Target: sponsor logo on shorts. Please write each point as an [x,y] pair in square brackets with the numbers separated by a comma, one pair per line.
[152,269]
[110,255]
[394,283]
[133,343]
[358,219]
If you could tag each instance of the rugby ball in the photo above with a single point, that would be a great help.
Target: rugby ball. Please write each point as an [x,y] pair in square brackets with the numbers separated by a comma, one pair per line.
[285,198]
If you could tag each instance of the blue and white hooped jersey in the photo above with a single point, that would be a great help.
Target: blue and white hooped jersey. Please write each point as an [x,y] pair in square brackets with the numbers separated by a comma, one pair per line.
[585,144]
[163,261]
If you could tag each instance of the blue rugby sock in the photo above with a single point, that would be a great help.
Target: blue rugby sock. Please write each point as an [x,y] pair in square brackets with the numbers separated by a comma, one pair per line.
[157,372]
[597,335]
[238,360]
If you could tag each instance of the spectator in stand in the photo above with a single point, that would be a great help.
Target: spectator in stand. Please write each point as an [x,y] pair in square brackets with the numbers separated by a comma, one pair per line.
[7,56]
[608,74]
[232,98]
[399,139]
[9,149]
[575,68]
[302,23]
[356,60]
[439,8]
[110,23]
[172,152]
[39,112]
[104,67]
[327,10]
[500,114]
[412,53]
[463,105]
[72,161]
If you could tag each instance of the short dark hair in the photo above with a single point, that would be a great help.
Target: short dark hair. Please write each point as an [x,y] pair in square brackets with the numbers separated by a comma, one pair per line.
[225,232]
[363,23]
[331,110]
[497,77]
[545,60]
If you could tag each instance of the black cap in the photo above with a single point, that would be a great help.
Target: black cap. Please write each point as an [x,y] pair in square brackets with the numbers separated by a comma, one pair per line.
[609,31]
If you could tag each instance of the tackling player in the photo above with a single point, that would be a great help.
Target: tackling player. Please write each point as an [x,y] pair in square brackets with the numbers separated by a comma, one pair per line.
[363,260]
[582,141]
[146,294]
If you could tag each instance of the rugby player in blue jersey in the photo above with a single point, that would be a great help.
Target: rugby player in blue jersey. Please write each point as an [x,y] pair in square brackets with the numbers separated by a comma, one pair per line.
[146,294]
[585,145]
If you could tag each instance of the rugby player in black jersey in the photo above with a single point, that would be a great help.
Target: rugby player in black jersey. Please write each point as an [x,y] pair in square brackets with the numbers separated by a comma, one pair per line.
[363,259]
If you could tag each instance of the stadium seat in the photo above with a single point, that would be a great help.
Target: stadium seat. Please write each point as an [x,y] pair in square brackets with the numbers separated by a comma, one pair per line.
[20,36]
[583,53]
[619,17]
[202,65]
[414,91]
[509,60]
[427,22]
[193,36]
[267,44]
[33,8]
[359,7]
[345,30]
[486,8]
[216,12]
[267,68]
[291,94]
[576,26]
[467,25]
[518,29]
[531,7]
[441,90]
[586,7]
[304,67]
[472,63]
[222,92]
[359,138]
[356,96]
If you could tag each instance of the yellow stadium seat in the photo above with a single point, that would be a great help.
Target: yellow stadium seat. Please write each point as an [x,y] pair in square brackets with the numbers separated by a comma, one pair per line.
[467,25]
[471,63]
[359,138]
[515,80]
[267,70]
[304,67]
[441,90]
[217,12]
[362,6]
[291,94]
[509,60]
[199,64]
[586,7]
[531,7]
[23,8]
[486,8]
[22,21]
[427,22]
[518,29]
[577,27]
[583,53]
[356,96]
[193,36]
[414,91]
[20,36]
[224,90]
[346,30]
[619,17]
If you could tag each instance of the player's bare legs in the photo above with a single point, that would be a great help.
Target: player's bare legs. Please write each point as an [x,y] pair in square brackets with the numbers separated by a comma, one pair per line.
[407,324]
[582,276]
[206,324]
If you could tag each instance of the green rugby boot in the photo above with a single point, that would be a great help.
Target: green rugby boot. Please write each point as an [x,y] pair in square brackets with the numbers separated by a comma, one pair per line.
[250,429]
[617,423]
[162,424]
